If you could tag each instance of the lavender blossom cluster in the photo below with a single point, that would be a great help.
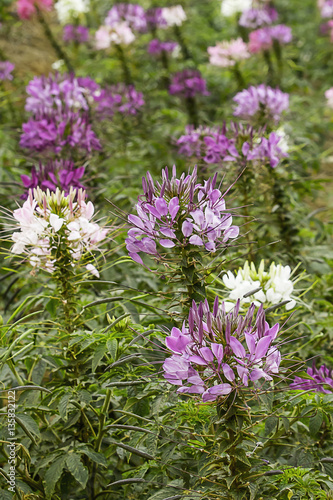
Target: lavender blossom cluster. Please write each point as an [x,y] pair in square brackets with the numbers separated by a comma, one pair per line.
[179,213]
[321,379]
[261,102]
[255,18]
[188,83]
[237,144]
[217,353]
[60,116]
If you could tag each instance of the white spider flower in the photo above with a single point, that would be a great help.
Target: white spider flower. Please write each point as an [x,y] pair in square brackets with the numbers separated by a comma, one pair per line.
[231,7]
[51,224]
[267,287]
[174,16]
[67,10]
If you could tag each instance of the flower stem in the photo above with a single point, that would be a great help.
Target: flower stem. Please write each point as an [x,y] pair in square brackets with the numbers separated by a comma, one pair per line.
[193,279]
[183,47]
[238,76]
[49,35]
[192,111]
[126,71]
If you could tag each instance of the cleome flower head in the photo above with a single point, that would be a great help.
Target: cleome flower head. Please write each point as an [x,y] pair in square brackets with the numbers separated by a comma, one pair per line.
[51,223]
[235,143]
[322,378]
[179,213]
[228,53]
[261,102]
[270,287]
[188,83]
[217,353]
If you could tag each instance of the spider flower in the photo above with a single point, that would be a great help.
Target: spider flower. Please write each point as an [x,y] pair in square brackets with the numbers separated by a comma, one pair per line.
[174,16]
[179,213]
[188,83]
[155,19]
[269,287]
[131,14]
[255,18]
[55,174]
[231,7]
[217,352]
[78,34]
[68,10]
[119,34]
[263,38]
[226,53]
[6,69]
[237,144]
[157,47]
[27,8]
[49,223]
[261,102]
[322,378]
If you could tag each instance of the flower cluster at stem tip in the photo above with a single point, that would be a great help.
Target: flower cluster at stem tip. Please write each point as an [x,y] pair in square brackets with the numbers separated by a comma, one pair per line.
[217,352]
[50,223]
[179,213]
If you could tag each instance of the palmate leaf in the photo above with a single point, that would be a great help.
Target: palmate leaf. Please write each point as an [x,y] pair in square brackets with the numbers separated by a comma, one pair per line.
[29,425]
[77,469]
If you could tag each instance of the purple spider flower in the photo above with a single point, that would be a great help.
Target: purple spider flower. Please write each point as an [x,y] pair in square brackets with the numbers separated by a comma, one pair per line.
[281,33]
[255,18]
[133,14]
[179,213]
[121,98]
[6,68]
[188,83]
[60,109]
[49,134]
[78,34]
[322,378]
[157,47]
[261,101]
[155,19]
[237,144]
[217,353]
[263,39]
[55,174]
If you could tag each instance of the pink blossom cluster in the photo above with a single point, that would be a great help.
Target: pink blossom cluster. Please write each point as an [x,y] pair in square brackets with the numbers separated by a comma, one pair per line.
[179,213]
[27,8]
[48,221]
[217,353]
[228,53]
[6,68]
[263,38]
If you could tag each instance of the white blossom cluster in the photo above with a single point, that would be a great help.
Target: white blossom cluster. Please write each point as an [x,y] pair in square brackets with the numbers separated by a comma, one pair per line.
[174,16]
[51,221]
[270,287]
[231,7]
[67,10]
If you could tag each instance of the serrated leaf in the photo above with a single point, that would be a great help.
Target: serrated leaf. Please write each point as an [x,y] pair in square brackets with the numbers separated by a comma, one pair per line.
[270,424]
[63,406]
[53,475]
[84,397]
[77,469]
[112,347]
[28,424]
[315,423]
[151,443]
[98,458]
[97,357]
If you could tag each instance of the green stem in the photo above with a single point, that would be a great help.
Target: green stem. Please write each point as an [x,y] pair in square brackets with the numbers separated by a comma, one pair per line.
[270,67]
[102,418]
[183,47]
[192,275]
[238,76]
[126,71]
[192,111]
[49,35]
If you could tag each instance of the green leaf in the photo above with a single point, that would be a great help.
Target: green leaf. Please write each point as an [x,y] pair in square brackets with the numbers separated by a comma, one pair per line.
[98,458]
[98,356]
[28,424]
[53,474]
[77,469]
[270,424]
[112,347]
[315,423]
[63,406]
